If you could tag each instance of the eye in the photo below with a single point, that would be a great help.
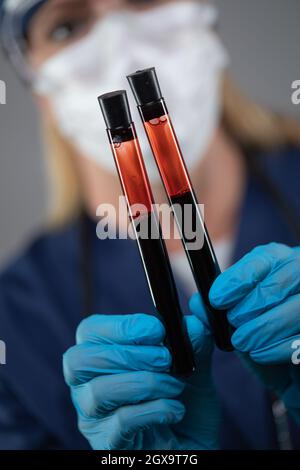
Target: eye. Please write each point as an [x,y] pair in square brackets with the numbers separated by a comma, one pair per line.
[65,31]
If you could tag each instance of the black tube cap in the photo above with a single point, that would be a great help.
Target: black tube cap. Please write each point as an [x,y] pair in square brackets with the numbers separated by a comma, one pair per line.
[145,86]
[115,109]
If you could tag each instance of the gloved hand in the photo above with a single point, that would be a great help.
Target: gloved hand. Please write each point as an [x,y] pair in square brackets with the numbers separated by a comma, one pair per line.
[123,394]
[262,294]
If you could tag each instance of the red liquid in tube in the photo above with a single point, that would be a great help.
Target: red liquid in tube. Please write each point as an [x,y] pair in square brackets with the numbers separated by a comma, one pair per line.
[166,150]
[178,186]
[132,173]
[136,187]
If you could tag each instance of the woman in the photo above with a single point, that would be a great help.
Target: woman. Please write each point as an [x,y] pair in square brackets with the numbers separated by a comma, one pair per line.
[69,51]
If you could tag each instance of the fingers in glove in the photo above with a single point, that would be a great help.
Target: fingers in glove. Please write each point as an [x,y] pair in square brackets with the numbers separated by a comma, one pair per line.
[241,278]
[118,431]
[200,337]
[102,395]
[85,361]
[282,282]
[136,328]
[270,328]
[277,353]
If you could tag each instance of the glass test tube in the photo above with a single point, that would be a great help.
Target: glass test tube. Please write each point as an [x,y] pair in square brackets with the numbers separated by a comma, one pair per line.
[136,187]
[177,183]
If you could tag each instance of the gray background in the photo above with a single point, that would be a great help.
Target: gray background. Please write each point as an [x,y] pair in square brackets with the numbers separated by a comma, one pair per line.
[263,37]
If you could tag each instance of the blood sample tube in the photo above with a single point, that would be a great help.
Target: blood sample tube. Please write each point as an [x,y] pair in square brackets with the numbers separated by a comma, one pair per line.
[136,187]
[177,183]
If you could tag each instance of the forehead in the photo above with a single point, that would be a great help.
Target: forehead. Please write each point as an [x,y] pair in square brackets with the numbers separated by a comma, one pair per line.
[11,5]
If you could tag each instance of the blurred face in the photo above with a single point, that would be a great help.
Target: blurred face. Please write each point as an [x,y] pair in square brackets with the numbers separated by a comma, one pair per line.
[57,25]
[60,23]
[80,49]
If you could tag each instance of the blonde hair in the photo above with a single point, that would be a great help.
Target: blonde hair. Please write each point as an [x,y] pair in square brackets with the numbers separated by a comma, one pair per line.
[249,124]
[253,126]
[64,187]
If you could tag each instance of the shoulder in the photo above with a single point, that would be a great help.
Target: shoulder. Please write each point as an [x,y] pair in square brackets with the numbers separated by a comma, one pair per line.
[35,285]
[283,168]
[41,256]
[282,161]
[39,313]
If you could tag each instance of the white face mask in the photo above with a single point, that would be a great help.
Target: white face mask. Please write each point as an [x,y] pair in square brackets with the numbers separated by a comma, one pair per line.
[177,39]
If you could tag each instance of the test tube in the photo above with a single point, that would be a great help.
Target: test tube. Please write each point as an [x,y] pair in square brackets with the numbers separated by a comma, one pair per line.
[136,187]
[178,186]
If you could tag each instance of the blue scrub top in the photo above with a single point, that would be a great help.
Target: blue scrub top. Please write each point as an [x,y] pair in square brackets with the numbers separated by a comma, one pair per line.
[41,305]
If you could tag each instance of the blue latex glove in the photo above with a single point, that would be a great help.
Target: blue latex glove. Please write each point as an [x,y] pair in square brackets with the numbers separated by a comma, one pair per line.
[262,294]
[123,394]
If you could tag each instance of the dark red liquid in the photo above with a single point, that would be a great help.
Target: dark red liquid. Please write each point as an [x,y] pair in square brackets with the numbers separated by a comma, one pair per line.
[176,179]
[204,265]
[136,187]
[165,298]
